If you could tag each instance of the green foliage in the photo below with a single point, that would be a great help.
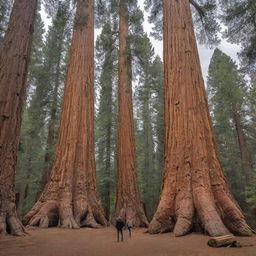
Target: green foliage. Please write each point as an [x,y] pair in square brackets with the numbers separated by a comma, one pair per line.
[5,10]
[251,193]
[105,130]
[239,17]
[228,90]
[149,122]
[206,24]
[204,14]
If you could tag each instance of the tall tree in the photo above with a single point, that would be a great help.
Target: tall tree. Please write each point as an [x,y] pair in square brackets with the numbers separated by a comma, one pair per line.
[14,58]
[157,74]
[106,120]
[227,95]
[70,197]
[128,204]
[148,101]
[194,187]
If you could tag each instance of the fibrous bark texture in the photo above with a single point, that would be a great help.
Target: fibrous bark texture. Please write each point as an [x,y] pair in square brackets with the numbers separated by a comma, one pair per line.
[14,58]
[194,191]
[70,197]
[128,204]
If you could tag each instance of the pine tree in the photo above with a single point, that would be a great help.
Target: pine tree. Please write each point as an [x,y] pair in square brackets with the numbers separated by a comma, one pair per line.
[158,121]
[147,122]
[227,94]
[106,116]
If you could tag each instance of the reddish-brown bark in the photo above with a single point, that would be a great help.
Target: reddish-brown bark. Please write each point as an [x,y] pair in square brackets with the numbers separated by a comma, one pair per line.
[14,58]
[70,197]
[128,204]
[194,190]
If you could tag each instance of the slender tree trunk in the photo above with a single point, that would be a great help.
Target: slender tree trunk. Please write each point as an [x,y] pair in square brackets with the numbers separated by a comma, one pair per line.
[128,204]
[148,174]
[14,58]
[108,165]
[70,197]
[194,187]
[244,152]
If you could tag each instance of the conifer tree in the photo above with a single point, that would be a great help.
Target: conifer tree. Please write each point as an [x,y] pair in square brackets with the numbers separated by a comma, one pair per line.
[227,94]
[146,97]
[106,116]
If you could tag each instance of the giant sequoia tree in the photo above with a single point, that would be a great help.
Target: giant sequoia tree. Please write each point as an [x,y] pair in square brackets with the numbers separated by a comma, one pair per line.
[14,57]
[70,197]
[128,203]
[194,189]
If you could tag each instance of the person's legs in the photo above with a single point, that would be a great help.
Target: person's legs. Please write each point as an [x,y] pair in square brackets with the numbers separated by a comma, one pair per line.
[122,237]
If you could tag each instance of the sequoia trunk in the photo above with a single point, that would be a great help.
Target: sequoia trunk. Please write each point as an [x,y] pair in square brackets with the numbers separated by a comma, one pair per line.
[128,204]
[14,58]
[70,197]
[194,191]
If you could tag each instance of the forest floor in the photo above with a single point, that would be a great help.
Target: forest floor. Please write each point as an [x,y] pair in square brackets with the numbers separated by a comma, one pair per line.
[102,242]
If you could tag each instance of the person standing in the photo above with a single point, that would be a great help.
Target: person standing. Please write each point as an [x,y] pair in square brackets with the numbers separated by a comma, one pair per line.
[119,228]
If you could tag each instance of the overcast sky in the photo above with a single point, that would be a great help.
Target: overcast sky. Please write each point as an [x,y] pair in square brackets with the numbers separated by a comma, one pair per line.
[205,53]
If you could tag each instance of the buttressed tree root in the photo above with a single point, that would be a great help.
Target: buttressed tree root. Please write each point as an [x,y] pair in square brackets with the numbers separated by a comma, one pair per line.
[194,192]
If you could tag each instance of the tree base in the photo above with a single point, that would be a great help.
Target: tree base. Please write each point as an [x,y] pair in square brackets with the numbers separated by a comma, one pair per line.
[61,214]
[199,212]
[9,222]
[132,216]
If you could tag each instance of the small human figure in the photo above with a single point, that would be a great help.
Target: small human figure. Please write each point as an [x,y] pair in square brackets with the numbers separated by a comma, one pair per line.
[119,228]
[129,226]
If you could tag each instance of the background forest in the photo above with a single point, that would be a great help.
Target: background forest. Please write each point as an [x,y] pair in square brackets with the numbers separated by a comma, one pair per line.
[231,94]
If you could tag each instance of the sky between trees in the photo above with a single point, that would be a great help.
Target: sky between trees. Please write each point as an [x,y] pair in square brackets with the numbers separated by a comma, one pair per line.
[204,52]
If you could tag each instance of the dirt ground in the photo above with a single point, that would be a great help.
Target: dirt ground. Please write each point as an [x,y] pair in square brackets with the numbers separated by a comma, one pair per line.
[102,242]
